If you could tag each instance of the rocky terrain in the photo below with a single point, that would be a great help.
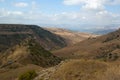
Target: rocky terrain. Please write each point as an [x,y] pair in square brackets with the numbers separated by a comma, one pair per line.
[12,34]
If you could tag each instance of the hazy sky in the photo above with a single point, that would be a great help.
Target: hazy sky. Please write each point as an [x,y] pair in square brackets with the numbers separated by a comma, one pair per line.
[96,12]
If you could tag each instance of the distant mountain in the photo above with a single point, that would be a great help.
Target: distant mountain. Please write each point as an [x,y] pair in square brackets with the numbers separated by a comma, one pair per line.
[87,28]
[71,37]
[12,34]
[103,31]
[106,47]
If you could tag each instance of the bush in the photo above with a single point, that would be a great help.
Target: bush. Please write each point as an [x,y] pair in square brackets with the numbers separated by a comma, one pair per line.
[29,75]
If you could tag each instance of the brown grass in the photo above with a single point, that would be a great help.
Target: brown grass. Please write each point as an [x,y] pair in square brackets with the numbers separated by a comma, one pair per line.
[80,70]
[12,74]
[71,70]
[87,70]
[112,73]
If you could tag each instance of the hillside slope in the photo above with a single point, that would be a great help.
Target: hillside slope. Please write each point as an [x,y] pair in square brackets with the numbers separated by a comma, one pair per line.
[70,37]
[80,69]
[106,47]
[12,34]
[27,52]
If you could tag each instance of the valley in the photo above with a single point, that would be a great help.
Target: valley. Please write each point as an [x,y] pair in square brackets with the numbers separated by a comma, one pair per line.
[59,39]
[71,37]
[29,52]
[94,48]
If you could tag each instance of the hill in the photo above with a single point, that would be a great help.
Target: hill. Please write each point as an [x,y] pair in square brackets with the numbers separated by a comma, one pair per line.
[81,69]
[106,47]
[71,37]
[12,34]
[27,52]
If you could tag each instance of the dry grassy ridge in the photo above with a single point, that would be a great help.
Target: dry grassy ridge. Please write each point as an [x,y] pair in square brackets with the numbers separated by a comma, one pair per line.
[74,69]
[12,34]
[71,37]
[106,47]
[28,52]
[81,69]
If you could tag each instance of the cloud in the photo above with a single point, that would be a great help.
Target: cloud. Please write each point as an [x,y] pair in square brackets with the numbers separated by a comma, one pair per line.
[7,13]
[87,4]
[92,4]
[21,4]
[92,12]
[73,2]
[113,2]
[3,12]
[101,17]
[95,12]
[18,13]
[8,16]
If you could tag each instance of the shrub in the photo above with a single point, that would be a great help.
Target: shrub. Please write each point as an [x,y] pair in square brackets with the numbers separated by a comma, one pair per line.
[29,75]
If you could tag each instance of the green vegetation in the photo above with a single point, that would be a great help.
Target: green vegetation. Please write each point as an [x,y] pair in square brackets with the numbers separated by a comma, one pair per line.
[40,56]
[29,75]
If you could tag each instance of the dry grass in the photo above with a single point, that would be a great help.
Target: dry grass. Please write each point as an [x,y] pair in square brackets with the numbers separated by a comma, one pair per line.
[87,70]
[12,74]
[70,70]
[112,73]
[79,70]
[96,48]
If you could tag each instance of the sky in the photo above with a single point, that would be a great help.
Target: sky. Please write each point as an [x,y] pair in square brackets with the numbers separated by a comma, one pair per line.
[61,12]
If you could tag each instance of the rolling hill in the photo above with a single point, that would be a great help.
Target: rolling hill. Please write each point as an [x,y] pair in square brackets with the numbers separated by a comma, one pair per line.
[71,37]
[106,47]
